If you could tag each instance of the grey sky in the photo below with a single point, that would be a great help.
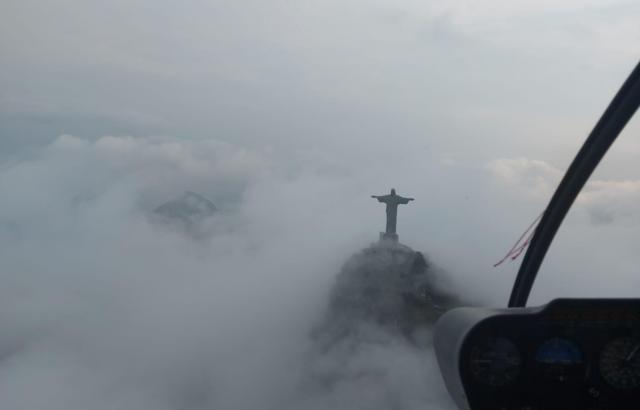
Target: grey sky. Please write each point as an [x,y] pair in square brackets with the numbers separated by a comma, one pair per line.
[335,85]
[497,76]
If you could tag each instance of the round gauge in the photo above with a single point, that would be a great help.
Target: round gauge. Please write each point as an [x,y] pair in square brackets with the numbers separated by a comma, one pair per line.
[495,362]
[620,363]
[559,360]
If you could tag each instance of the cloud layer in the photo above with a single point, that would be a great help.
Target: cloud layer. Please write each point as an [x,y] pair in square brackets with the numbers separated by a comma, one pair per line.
[102,308]
[288,115]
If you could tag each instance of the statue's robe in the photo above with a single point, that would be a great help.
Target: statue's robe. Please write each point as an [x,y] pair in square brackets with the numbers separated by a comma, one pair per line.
[392,201]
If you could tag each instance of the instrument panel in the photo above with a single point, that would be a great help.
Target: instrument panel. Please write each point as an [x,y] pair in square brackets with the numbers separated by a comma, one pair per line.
[570,354]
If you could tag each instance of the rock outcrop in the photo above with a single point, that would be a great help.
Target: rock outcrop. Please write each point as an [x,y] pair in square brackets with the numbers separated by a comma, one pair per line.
[389,286]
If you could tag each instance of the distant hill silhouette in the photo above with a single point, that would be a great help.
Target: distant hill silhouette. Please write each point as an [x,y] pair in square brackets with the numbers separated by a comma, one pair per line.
[188,212]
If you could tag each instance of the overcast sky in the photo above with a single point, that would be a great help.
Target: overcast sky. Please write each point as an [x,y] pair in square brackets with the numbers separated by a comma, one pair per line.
[343,87]
[288,115]
[495,78]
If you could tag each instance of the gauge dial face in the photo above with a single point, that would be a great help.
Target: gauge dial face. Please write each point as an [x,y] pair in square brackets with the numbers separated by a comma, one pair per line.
[620,363]
[560,360]
[495,362]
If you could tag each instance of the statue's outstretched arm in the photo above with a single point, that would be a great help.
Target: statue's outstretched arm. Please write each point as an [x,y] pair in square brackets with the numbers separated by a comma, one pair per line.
[403,200]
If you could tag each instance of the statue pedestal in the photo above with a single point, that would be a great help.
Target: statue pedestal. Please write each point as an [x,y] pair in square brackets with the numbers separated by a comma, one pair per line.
[390,237]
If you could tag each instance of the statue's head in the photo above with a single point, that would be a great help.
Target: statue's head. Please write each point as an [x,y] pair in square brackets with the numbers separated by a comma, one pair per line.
[393,191]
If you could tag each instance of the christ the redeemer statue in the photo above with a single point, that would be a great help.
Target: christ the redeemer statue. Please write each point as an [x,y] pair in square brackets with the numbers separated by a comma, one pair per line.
[392,201]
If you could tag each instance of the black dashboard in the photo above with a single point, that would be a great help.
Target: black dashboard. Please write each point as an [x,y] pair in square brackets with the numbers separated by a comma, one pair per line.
[569,354]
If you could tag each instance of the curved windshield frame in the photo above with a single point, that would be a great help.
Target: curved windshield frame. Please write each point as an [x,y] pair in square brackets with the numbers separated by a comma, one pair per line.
[611,123]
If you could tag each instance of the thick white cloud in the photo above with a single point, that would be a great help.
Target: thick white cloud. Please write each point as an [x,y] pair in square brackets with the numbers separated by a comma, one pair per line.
[531,177]
[103,309]
[604,200]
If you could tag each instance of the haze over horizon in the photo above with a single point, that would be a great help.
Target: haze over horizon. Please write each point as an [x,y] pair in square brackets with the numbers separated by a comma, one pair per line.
[288,116]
